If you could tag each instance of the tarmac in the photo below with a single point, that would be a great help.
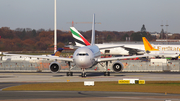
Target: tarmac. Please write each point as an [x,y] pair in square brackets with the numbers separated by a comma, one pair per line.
[61,77]
[8,79]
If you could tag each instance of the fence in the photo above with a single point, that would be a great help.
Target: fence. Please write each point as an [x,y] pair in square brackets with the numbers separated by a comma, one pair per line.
[129,66]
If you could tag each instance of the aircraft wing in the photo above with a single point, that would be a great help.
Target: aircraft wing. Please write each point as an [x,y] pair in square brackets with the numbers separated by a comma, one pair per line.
[132,50]
[72,46]
[41,57]
[100,48]
[118,58]
[109,47]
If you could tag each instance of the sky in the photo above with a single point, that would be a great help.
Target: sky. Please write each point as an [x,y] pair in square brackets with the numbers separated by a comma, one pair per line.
[114,15]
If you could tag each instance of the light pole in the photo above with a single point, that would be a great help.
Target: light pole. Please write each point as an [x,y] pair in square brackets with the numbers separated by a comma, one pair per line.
[55,29]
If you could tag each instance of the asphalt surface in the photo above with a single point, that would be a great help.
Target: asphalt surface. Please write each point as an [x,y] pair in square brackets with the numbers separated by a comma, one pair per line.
[30,95]
[61,77]
[13,79]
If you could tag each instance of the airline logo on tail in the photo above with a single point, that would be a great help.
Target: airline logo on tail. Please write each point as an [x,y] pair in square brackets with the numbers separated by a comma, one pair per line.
[58,52]
[148,46]
[79,39]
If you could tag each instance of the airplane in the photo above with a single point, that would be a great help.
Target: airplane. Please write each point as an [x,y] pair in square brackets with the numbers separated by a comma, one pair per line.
[80,41]
[160,53]
[85,57]
[126,49]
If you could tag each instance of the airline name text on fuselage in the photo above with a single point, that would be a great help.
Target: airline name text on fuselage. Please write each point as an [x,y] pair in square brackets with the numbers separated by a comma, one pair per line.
[169,48]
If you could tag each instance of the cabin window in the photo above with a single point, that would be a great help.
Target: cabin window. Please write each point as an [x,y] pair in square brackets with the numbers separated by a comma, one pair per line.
[107,51]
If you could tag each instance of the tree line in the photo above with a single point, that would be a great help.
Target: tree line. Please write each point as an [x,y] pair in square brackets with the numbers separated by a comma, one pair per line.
[27,39]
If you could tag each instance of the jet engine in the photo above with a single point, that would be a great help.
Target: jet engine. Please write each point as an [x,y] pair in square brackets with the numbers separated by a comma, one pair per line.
[54,67]
[117,66]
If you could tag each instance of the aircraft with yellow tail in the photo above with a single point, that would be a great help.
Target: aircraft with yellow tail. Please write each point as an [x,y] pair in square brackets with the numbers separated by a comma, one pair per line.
[160,53]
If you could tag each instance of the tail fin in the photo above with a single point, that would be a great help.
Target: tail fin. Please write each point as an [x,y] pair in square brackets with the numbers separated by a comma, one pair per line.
[58,52]
[79,39]
[148,46]
[93,31]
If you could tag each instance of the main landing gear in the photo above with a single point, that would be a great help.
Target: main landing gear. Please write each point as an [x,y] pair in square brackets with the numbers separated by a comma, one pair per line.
[69,73]
[106,73]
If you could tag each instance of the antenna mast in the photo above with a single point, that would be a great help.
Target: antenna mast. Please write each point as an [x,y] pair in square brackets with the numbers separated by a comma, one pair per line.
[167,30]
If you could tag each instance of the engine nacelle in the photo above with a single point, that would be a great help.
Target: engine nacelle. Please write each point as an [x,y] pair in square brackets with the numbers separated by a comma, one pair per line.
[54,67]
[117,66]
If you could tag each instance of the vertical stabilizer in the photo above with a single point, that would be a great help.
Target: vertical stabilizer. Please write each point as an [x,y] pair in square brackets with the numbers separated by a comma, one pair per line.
[93,31]
[79,39]
[148,46]
[58,52]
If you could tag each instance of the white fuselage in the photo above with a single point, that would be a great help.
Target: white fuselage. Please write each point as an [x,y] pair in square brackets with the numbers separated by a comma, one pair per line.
[121,51]
[171,54]
[84,57]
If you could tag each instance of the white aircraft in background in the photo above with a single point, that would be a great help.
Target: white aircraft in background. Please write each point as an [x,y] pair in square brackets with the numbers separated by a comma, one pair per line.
[85,58]
[119,50]
[151,50]
[127,49]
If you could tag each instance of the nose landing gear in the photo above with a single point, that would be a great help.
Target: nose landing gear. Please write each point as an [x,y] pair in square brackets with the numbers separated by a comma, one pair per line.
[106,73]
[69,74]
[83,74]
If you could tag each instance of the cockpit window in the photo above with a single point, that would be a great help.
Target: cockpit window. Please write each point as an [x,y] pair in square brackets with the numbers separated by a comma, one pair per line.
[82,54]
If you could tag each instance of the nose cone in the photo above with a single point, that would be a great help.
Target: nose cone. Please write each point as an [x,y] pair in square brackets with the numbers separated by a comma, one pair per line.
[83,58]
[83,62]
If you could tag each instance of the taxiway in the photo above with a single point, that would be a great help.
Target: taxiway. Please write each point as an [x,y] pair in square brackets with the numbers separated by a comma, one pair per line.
[61,77]
[8,79]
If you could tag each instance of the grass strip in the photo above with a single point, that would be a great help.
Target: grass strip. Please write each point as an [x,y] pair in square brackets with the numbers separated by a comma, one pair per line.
[150,87]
